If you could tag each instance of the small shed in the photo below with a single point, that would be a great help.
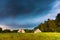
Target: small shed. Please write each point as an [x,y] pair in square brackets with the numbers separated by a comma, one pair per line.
[37,31]
[21,31]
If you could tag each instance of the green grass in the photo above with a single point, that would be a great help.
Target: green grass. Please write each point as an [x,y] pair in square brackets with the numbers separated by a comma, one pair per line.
[30,36]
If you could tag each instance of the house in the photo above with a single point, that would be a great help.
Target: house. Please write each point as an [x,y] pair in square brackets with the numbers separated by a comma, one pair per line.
[21,31]
[37,31]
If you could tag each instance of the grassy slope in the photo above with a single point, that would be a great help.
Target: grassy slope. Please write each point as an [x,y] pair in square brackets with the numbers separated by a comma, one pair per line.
[30,36]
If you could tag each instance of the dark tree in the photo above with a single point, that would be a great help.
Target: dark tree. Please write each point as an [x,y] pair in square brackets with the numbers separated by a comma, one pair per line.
[58,20]
[28,31]
[6,31]
[0,29]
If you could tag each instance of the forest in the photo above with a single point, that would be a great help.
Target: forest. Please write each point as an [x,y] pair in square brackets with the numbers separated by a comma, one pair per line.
[50,25]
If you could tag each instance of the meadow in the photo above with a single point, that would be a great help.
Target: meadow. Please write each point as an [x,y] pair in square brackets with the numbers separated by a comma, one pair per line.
[29,36]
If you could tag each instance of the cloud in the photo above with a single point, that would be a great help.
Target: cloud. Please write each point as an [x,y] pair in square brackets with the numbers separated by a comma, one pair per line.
[51,13]
[16,12]
[15,8]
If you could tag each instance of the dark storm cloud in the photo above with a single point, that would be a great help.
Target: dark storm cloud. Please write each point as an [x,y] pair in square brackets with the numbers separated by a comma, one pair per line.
[24,7]
[16,7]
[15,13]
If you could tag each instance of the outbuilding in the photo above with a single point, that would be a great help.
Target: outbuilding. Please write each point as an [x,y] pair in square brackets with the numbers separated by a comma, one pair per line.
[37,31]
[21,31]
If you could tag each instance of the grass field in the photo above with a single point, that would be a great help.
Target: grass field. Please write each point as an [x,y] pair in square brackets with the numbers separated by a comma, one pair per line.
[30,36]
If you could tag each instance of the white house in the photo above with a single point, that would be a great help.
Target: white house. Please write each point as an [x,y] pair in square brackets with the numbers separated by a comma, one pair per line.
[21,31]
[37,31]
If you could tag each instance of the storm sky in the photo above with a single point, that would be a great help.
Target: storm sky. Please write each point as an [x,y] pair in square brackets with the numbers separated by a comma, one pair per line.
[16,14]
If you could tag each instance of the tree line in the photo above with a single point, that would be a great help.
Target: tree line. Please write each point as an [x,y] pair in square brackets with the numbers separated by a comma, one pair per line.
[7,31]
[50,25]
[14,31]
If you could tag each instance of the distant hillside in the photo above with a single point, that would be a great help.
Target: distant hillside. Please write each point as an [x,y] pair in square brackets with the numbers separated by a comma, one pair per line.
[50,25]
